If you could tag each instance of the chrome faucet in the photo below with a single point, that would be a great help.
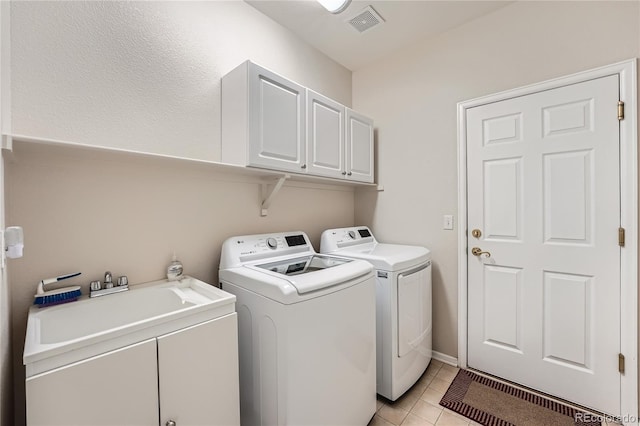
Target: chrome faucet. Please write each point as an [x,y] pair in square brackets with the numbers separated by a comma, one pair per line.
[108,280]
[96,288]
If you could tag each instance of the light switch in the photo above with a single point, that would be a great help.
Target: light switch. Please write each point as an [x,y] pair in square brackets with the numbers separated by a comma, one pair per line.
[448,221]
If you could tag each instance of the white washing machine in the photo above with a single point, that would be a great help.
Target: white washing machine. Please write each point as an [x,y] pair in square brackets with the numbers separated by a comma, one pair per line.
[306,331]
[403,315]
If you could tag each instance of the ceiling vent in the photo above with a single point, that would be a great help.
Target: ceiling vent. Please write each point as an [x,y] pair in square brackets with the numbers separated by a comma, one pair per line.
[365,20]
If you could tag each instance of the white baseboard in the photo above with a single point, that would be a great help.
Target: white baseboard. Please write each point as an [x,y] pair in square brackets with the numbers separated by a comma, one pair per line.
[447,359]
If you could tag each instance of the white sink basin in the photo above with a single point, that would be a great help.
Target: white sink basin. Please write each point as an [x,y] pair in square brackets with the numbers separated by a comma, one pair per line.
[78,320]
[63,334]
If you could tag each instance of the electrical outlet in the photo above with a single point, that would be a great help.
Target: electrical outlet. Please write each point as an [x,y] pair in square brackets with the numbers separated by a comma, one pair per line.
[448,222]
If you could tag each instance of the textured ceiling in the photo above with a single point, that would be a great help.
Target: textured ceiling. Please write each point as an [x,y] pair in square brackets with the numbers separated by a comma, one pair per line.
[405,22]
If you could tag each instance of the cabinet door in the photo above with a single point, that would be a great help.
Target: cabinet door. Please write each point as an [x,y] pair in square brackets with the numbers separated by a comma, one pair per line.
[359,147]
[116,388]
[325,136]
[276,121]
[198,374]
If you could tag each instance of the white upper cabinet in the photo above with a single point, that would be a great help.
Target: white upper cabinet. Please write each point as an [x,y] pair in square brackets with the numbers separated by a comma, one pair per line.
[325,136]
[359,147]
[263,120]
[274,123]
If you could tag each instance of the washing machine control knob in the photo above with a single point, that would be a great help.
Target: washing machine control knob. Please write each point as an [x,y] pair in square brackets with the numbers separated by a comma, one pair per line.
[352,235]
[272,243]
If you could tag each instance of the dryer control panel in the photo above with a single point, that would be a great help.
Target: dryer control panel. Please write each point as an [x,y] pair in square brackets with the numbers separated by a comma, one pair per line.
[247,248]
[334,239]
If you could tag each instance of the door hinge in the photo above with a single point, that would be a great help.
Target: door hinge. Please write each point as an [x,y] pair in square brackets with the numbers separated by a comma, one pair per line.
[621,363]
[621,237]
[620,110]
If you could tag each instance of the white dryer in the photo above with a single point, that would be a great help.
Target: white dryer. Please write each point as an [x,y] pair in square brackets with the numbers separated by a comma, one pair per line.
[403,314]
[306,331]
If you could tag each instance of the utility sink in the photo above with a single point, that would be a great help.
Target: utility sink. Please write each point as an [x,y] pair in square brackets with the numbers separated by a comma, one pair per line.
[60,335]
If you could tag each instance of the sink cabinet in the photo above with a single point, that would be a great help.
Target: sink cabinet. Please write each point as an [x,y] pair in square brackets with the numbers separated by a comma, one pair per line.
[198,374]
[189,376]
[109,389]
[271,122]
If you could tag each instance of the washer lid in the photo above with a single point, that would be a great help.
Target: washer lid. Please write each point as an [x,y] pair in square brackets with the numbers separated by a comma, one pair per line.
[388,257]
[303,265]
[295,279]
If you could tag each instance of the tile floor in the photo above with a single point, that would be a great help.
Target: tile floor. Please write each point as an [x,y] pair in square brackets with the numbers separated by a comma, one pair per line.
[420,406]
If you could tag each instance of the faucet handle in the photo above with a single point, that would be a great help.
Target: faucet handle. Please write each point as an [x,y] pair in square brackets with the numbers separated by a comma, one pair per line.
[123,280]
[108,277]
[95,285]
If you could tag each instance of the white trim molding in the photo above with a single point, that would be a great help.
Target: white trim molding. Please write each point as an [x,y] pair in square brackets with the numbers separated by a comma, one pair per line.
[447,359]
[627,74]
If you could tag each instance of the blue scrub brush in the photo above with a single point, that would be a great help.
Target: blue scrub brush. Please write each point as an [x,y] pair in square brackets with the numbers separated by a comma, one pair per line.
[55,297]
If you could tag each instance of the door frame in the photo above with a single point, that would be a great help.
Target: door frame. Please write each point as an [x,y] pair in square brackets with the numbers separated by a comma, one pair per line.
[627,72]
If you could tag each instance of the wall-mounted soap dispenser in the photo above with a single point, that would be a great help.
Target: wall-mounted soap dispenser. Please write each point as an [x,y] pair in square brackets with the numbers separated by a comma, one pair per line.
[14,242]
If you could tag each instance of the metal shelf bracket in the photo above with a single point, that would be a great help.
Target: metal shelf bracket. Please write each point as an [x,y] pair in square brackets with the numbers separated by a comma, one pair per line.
[269,195]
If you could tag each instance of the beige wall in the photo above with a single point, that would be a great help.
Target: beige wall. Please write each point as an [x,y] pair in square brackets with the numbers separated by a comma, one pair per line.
[142,76]
[412,97]
[146,75]
[92,213]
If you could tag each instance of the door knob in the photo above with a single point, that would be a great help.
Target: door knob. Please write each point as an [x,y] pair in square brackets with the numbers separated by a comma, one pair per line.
[476,233]
[170,423]
[477,251]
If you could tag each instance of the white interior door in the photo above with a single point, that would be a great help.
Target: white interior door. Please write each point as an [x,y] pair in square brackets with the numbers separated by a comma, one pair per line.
[544,191]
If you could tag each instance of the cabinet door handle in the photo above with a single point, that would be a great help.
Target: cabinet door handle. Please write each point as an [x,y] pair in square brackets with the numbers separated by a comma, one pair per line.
[304,166]
[349,174]
[344,173]
[170,423]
